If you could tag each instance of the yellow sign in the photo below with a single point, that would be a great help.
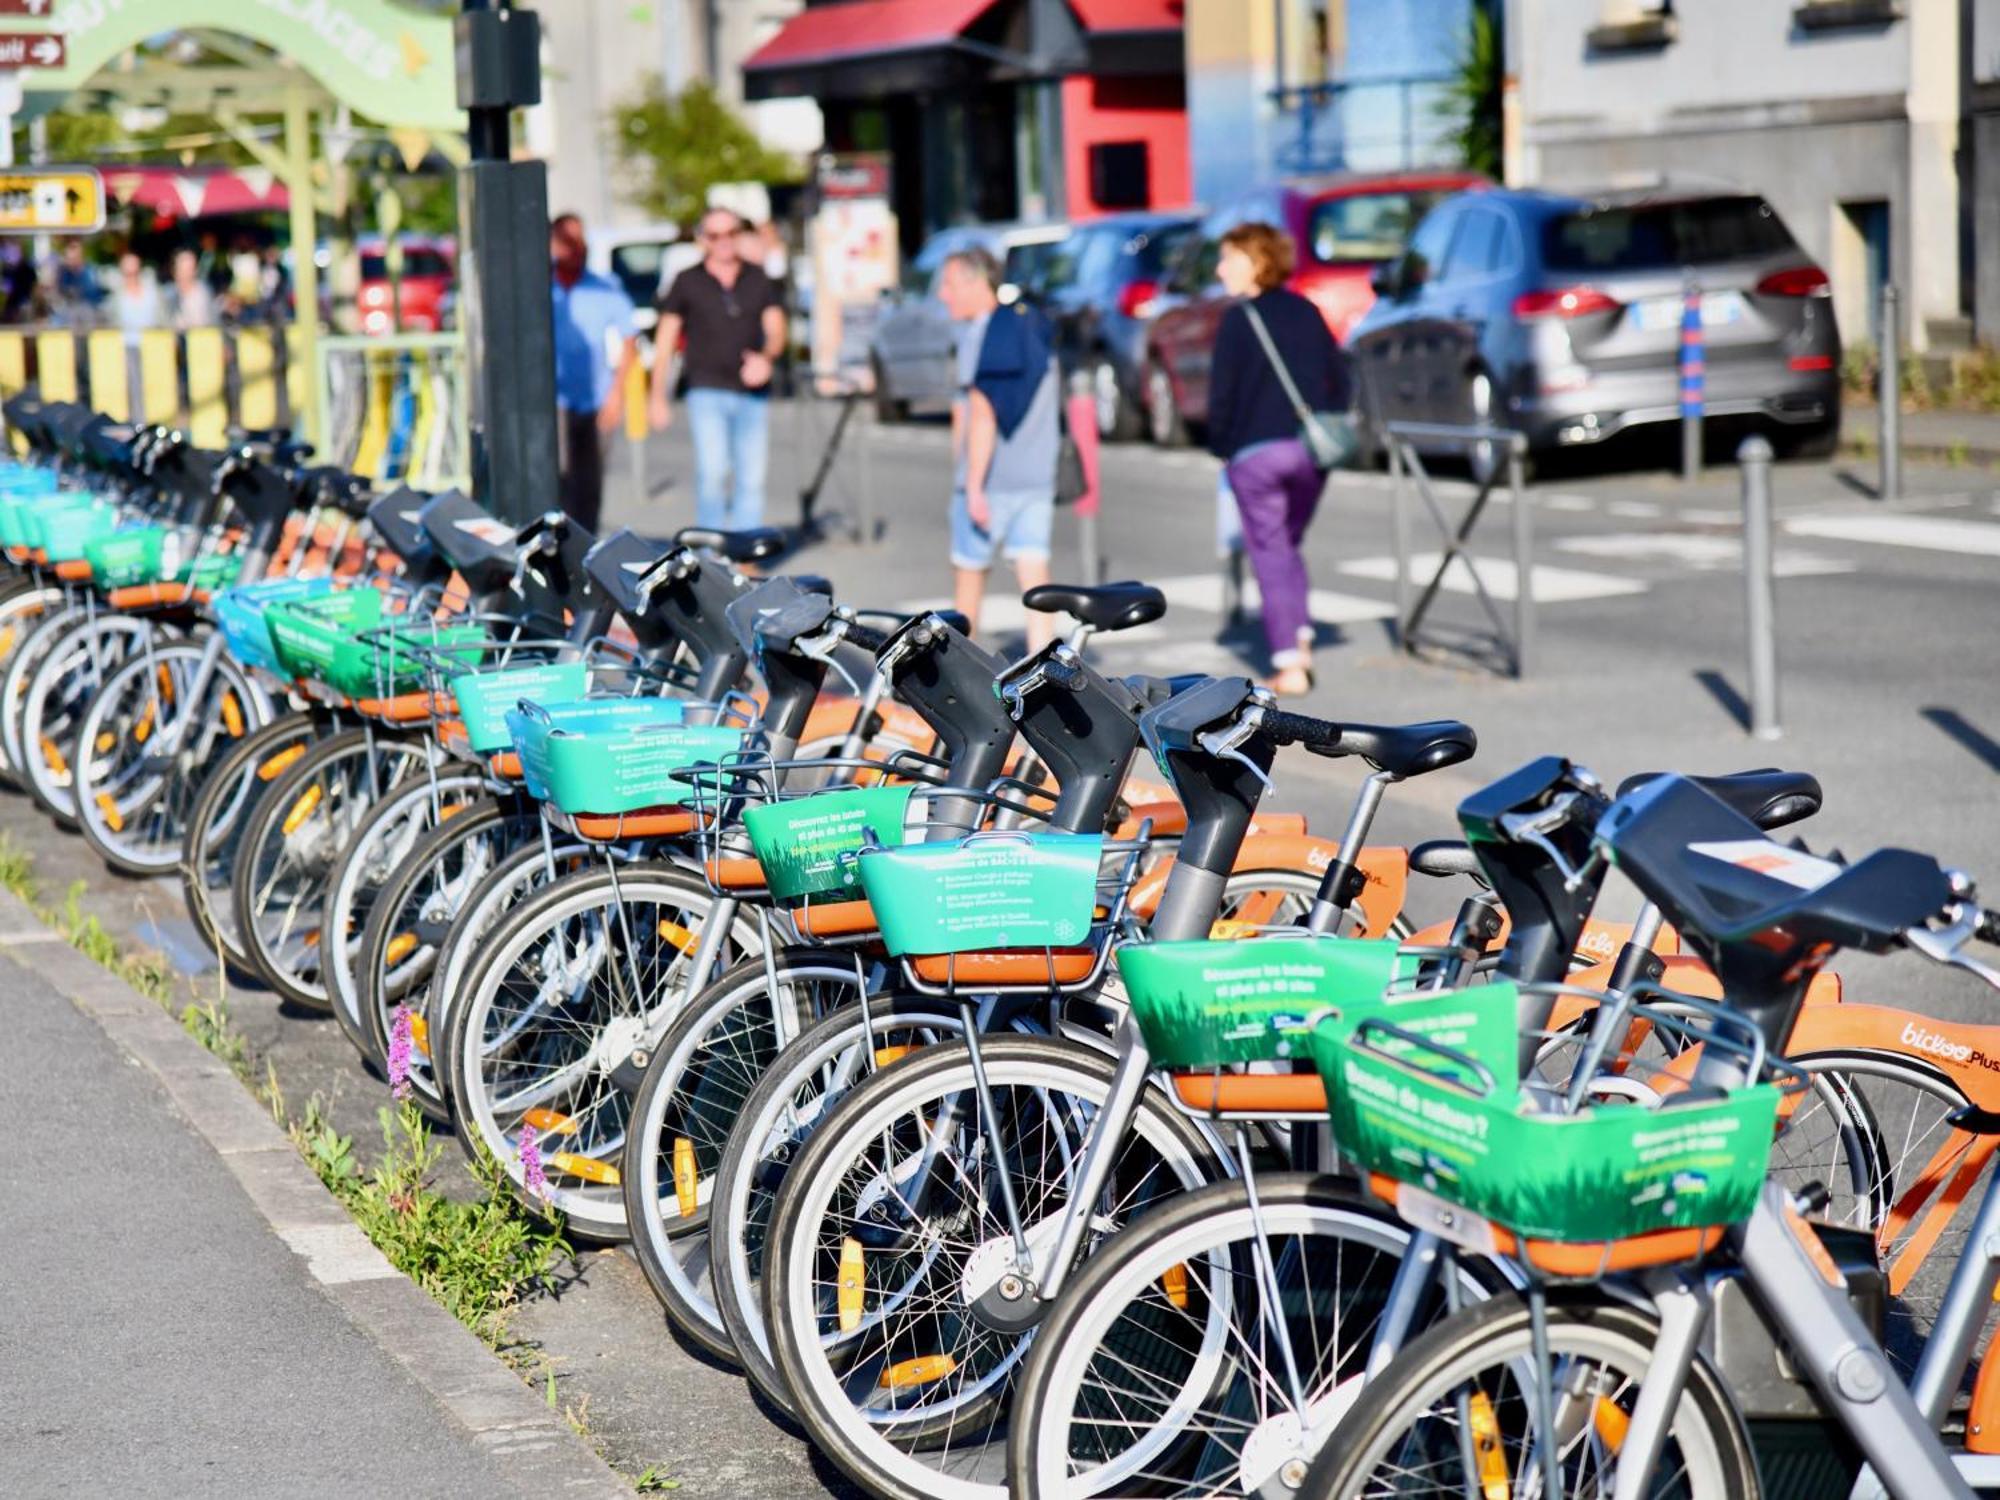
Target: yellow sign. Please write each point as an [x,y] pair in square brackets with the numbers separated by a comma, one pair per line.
[51,200]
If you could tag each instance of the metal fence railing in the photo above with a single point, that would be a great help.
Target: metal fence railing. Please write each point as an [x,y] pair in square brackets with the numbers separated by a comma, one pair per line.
[396,408]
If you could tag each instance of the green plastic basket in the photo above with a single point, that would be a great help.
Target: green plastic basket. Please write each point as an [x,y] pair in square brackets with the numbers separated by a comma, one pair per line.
[620,763]
[63,528]
[990,890]
[1407,1110]
[1209,1004]
[486,696]
[333,639]
[127,556]
[803,843]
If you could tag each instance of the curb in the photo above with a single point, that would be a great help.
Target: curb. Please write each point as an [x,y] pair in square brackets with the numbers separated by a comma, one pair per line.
[458,1372]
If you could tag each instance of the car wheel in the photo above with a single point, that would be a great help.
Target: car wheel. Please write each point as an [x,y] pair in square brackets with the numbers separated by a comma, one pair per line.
[1485,459]
[1821,440]
[1118,419]
[887,407]
[1163,413]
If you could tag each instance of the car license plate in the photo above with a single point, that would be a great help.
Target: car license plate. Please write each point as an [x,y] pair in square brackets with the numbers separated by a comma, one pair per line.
[1655,314]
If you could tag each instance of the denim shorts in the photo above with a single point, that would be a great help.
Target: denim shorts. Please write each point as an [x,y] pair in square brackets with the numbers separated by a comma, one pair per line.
[1019,526]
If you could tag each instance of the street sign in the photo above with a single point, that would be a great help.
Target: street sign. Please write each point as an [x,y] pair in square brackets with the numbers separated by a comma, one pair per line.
[51,200]
[32,49]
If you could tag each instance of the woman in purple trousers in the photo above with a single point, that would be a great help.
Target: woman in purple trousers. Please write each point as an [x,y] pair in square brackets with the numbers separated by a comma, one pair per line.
[1253,427]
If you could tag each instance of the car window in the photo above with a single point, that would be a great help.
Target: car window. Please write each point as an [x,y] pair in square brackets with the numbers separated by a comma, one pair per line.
[1425,258]
[1477,248]
[1365,227]
[416,263]
[920,274]
[1661,236]
[1154,253]
[1082,260]
[1027,266]
[1195,269]
[638,267]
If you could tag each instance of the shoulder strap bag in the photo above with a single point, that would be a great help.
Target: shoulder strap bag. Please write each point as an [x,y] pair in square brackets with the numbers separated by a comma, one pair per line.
[1328,435]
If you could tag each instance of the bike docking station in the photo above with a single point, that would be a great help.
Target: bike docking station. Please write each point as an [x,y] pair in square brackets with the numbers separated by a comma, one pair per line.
[1502,456]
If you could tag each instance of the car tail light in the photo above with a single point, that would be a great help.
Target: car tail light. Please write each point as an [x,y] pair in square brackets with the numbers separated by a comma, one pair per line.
[1562,302]
[1805,364]
[1799,281]
[1137,298]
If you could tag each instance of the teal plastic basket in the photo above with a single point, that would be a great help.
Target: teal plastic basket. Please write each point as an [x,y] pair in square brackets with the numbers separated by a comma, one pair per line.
[990,890]
[487,696]
[243,614]
[606,756]
[63,524]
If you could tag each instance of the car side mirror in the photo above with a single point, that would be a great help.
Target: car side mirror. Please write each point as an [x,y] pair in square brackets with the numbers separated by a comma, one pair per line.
[1388,279]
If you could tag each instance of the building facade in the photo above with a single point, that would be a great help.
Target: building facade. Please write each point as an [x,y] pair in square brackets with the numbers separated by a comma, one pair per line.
[1849,116]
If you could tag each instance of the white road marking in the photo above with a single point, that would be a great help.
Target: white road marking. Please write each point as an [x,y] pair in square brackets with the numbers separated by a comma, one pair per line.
[1551,585]
[338,1253]
[1698,517]
[1633,509]
[1568,502]
[1701,553]
[1934,533]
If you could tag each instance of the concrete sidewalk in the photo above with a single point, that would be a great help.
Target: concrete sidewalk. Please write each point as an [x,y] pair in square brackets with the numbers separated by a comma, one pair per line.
[1961,437]
[187,1311]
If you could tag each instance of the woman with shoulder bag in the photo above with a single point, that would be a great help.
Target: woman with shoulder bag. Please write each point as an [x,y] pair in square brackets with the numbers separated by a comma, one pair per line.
[1278,394]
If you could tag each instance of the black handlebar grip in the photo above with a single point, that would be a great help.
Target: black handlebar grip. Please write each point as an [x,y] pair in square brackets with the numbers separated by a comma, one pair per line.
[1988,930]
[1298,729]
[868,640]
[1064,674]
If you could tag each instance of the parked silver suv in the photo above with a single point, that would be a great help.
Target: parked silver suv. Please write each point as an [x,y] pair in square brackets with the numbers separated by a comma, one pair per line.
[1560,316]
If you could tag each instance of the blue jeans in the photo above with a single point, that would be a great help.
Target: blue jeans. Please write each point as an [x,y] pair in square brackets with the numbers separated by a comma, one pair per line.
[731,432]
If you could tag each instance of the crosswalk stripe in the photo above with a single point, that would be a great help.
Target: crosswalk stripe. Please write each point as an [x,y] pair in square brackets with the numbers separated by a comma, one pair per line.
[1699,553]
[1934,533]
[1551,585]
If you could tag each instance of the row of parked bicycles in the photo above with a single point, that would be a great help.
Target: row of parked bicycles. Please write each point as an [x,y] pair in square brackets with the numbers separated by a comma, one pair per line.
[1020,1112]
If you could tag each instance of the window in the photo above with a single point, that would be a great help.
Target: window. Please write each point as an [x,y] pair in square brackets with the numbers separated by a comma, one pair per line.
[638,269]
[1425,257]
[416,263]
[1120,174]
[1027,266]
[1154,253]
[1196,267]
[1658,236]
[1365,228]
[1085,260]
[1479,247]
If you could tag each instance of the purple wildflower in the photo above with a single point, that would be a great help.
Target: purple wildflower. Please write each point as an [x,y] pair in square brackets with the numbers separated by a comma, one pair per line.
[399,1053]
[530,1151]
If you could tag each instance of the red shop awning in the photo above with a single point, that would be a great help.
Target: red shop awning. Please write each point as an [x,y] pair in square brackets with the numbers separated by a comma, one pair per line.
[1130,15]
[193,193]
[864,28]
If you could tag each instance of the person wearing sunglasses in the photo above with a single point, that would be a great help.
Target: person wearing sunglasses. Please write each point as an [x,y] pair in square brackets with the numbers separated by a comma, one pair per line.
[724,321]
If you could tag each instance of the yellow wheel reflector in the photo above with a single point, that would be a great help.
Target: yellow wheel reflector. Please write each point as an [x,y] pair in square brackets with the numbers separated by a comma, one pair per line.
[6,640]
[1487,1451]
[143,730]
[548,1122]
[105,741]
[1175,1284]
[922,1370]
[852,1285]
[1611,1422]
[684,1176]
[113,818]
[232,716]
[679,936]
[165,679]
[401,946]
[420,1035]
[588,1168]
[452,810]
[886,1055]
[312,938]
[1224,930]
[53,758]
[302,809]
[273,768]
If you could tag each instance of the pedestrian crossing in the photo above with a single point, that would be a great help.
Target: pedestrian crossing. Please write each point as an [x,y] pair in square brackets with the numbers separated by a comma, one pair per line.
[1932,533]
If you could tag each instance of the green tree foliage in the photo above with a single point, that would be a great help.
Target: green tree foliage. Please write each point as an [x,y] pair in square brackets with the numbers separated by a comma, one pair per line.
[678,146]
[1471,101]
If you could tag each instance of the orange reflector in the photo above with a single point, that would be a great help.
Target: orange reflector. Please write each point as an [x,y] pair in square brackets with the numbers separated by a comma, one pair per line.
[165,679]
[684,1176]
[53,758]
[852,1285]
[143,730]
[1488,1455]
[588,1168]
[452,810]
[922,1370]
[302,809]
[1611,1422]
[232,716]
[401,946]
[1175,1284]
[273,768]
[312,938]
[548,1122]
[886,1055]
[420,1035]
[113,818]
[679,936]
[7,640]
[105,741]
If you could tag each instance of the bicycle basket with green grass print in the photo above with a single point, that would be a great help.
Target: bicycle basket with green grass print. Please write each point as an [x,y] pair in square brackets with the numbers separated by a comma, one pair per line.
[1426,1090]
[803,843]
[985,891]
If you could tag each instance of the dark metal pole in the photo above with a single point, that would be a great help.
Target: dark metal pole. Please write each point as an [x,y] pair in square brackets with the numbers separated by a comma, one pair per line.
[504,270]
[1891,398]
[1761,612]
[1524,554]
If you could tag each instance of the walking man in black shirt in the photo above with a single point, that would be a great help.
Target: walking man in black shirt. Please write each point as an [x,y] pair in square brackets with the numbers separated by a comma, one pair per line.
[735,330]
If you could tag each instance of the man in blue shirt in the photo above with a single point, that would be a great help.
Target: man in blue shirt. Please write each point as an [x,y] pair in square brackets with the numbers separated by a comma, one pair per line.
[592,316]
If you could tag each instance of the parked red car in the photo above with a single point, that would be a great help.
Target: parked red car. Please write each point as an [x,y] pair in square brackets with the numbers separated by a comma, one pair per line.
[428,274]
[1345,227]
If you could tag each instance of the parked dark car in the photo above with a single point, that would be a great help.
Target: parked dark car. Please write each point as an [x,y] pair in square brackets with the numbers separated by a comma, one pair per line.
[1560,316]
[915,343]
[1100,294]
[1345,228]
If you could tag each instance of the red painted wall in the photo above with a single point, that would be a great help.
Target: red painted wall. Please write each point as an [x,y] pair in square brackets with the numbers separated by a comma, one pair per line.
[1151,108]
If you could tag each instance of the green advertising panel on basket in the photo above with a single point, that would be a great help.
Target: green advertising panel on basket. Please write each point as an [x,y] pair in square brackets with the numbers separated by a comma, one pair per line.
[804,844]
[989,890]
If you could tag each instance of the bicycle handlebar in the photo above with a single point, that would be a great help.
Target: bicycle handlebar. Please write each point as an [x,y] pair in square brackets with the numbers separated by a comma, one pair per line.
[866,637]
[1988,930]
[1298,729]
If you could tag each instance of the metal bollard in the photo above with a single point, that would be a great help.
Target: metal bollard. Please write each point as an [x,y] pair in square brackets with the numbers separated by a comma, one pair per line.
[1890,398]
[1761,610]
[1524,555]
[1694,379]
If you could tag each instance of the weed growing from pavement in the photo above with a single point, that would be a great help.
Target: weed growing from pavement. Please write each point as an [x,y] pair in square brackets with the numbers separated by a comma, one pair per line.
[651,1481]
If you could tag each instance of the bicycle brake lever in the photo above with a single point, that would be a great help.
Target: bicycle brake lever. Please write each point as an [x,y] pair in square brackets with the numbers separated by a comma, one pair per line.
[1946,945]
[1223,743]
[821,648]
